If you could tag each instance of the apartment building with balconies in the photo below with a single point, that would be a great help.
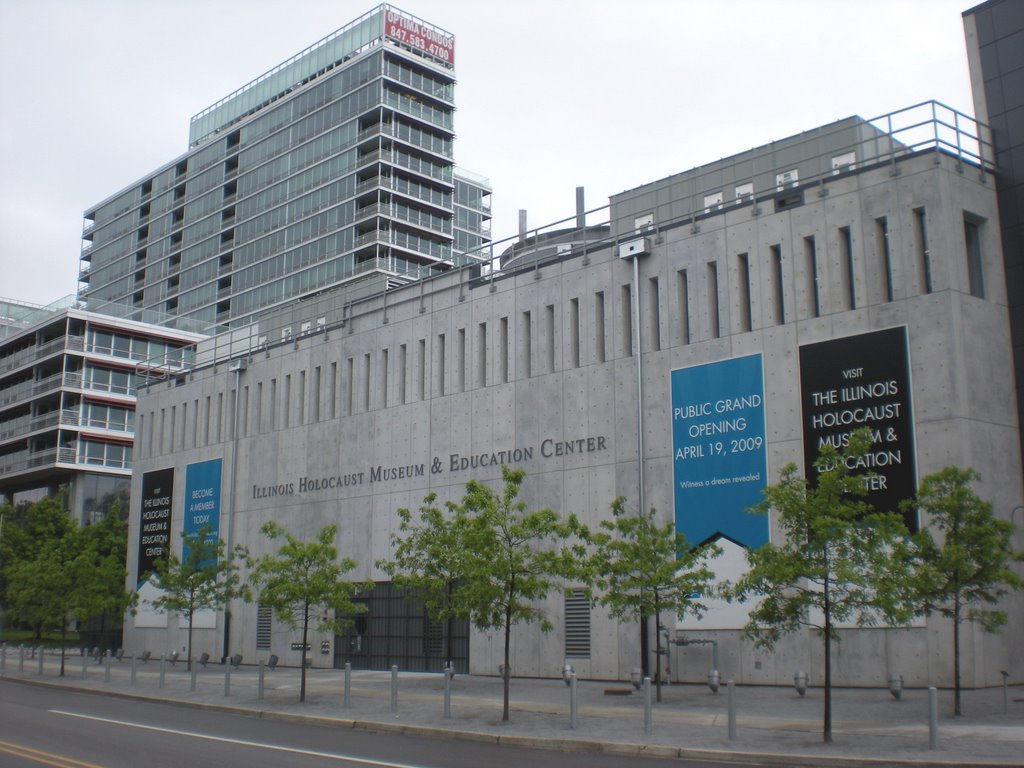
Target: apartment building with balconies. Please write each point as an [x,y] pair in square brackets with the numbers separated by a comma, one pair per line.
[335,165]
[67,400]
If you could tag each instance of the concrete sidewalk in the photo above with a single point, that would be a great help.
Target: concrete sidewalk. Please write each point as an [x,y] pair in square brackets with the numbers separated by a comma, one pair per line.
[774,725]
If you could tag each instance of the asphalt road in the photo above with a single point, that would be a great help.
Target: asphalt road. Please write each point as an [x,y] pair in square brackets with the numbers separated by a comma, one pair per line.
[42,726]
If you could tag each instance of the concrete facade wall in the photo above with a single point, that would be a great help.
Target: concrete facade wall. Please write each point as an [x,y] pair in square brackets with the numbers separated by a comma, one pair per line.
[430,388]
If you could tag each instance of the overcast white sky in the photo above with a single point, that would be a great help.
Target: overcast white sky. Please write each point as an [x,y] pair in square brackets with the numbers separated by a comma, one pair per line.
[607,94]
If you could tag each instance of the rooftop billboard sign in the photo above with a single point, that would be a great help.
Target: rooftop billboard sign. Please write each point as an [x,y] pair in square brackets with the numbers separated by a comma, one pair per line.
[419,36]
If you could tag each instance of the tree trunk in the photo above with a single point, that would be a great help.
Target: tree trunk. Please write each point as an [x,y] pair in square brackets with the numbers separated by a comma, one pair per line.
[827,730]
[507,672]
[657,647]
[956,656]
[63,635]
[305,634]
[188,665]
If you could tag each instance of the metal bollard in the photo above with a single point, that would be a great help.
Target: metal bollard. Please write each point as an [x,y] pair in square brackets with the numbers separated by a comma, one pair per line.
[21,658]
[259,694]
[573,710]
[192,680]
[40,659]
[85,665]
[348,685]
[133,669]
[3,656]
[106,671]
[394,687]
[933,717]
[163,667]
[647,705]
[448,672]
[227,677]
[731,688]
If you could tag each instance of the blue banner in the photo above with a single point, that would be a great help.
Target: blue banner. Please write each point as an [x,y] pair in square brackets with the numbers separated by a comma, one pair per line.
[202,499]
[719,450]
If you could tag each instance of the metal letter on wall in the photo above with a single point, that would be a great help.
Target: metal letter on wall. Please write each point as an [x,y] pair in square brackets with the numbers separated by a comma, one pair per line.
[863,381]
[719,451]
[155,520]
[202,500]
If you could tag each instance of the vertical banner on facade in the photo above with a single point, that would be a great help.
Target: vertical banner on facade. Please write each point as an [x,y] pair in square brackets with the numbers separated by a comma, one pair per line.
[863,381]
[155,520]
[202,500]
[718,444]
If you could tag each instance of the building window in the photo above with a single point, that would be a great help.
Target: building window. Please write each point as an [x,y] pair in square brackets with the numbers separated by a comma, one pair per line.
[421,367]
[654,312]
[846,265]
[550,315]
[743,291]
[924,259]
[287,406]
[627,320]
[367,380]
[526,347]
[811,271]
[599,348]
[683,291]
[481,355]
[574,332]
[461,355]
[714,326]
[441,354]
[778,284]
[333,390]
[975,271]
[643,222]
[503,344]
[314,397]
[385,377]
[713,201]
[884,257]
[577,625]
[402,366]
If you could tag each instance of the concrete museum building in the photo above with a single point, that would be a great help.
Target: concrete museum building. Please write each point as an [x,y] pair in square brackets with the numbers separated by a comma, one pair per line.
[675,347]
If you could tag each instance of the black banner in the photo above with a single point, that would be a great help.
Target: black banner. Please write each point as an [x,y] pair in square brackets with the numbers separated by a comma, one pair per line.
[155,519]
[863,381]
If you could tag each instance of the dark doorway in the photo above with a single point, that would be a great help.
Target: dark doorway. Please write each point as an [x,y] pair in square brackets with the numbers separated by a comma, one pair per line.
[396,630]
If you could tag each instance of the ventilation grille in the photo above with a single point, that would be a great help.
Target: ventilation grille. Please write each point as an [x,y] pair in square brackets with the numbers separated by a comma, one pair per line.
[264,619]
[577,625]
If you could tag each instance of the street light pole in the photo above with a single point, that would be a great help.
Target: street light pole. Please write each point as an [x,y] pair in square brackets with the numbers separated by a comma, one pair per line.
[634,249]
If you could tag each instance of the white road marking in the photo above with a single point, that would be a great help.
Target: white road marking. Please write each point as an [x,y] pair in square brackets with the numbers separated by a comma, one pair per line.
[239,742]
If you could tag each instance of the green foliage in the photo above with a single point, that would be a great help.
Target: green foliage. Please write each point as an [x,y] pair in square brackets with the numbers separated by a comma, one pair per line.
[512,559]
[304,581]
[429,559]
[966,574]
[645,569]
[839,560]
[203,579]
[56,572]
[56,585]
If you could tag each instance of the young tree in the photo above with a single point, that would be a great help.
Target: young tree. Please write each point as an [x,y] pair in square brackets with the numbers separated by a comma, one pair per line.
[644,569]
[55,585]
[303,581]
[970,569]
[202,579]
[108,542]
[838,561]
[28,530]
[429,560]
[513,558]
